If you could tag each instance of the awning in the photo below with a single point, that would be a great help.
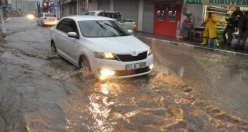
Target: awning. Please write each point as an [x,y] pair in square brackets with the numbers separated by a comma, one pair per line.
[242,3]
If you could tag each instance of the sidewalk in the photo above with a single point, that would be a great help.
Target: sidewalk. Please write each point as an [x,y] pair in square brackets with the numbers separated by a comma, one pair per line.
[223,49]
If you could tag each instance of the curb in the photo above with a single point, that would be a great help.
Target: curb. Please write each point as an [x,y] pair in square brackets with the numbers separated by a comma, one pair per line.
[224,52]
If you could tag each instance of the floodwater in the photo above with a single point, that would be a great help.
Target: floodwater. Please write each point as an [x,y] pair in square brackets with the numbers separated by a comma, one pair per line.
[40,91]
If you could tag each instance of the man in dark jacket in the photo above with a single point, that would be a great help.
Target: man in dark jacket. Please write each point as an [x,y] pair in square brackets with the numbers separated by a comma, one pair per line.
[239,13]
[243,30]
[230,28]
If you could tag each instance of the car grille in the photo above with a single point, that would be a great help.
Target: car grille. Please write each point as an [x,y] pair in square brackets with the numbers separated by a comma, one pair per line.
[126,58]
[131,72]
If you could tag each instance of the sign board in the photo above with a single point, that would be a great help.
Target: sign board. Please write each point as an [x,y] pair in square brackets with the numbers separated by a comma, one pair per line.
[218,2]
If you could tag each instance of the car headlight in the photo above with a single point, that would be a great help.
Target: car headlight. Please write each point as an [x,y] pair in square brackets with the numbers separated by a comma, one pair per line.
[105,55]
[149,52]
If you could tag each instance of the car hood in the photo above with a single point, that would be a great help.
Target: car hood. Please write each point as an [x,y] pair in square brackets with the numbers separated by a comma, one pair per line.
[117,45]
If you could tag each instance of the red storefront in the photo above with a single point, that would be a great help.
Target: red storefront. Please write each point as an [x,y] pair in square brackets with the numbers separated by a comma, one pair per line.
[166,19]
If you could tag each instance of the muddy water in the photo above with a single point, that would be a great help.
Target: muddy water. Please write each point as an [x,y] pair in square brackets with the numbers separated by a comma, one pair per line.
[40,91]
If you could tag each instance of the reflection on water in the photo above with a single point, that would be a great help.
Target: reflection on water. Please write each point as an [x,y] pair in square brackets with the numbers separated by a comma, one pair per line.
[154,103]
[105,89]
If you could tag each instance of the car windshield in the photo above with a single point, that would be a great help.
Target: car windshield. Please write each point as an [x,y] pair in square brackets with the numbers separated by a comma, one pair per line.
[102,28]
[49,15]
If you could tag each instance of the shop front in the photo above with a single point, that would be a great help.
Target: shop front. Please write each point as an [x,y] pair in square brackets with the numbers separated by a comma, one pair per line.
[162,17]
[104,5]
[129,9]
[200,9]
[166,18]
[68,7]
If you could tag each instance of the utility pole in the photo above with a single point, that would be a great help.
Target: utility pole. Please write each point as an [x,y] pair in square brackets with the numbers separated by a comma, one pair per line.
[16,5]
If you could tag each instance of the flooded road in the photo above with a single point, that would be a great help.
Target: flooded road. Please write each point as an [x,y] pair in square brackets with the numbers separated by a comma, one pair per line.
[221,79]
[40,91]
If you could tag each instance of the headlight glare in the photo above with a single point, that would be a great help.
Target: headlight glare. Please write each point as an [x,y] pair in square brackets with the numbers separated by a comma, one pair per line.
[105,55]
[149,52]
[108,55]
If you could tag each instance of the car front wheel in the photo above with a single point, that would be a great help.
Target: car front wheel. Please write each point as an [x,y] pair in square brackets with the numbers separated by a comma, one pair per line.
[53,47]
[84,63]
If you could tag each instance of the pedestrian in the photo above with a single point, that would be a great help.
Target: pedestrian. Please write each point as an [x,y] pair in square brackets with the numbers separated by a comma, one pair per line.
[230,28]
[239,13]
[210,29]
[243,30]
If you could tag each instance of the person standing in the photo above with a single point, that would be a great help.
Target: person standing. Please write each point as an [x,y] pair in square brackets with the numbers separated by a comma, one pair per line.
[239,13]
[210,29]
[243,30]
[230,28]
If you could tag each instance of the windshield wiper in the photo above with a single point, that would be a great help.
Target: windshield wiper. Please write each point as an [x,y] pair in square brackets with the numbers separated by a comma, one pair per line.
[116,28]
[108,31]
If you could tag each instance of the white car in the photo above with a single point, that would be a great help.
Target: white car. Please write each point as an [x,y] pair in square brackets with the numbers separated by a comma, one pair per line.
[102,46]
[47,19]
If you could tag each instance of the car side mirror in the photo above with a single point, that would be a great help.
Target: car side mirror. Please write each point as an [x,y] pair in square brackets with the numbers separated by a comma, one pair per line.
[130,31]
[73,35]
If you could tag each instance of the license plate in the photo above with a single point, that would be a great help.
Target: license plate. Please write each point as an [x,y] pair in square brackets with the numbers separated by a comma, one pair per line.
[135,66]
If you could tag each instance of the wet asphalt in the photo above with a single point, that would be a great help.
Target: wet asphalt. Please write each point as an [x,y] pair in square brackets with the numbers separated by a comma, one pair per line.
[221,79]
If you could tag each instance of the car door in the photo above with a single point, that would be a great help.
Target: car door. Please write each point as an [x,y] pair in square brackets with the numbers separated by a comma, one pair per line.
[60,35]
[72,44]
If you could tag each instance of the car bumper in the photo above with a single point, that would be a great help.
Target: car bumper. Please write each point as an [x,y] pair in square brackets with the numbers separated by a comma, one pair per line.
[50,22]
[119,67]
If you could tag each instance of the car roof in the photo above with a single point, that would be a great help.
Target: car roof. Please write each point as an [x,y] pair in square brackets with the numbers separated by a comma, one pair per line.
[86,17]
[105,11]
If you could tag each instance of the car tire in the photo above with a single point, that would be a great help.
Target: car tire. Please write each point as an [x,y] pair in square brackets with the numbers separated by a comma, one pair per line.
[53,47]
[84,63]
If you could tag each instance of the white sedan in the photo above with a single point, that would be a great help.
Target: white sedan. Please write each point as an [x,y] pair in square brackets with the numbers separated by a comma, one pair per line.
[47,19]
[102,46]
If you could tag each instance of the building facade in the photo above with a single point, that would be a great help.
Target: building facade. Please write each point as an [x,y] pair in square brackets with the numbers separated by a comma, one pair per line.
[152,16]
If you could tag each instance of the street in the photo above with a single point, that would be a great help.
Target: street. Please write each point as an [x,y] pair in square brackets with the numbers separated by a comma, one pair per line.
[188,90]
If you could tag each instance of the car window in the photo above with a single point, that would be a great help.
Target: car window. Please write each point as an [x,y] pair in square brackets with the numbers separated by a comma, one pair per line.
[115,15]
[71,26]
[92,13]
[87,13]
[102,28]
[49,15]
[62,25]
[107,15]
[100,14]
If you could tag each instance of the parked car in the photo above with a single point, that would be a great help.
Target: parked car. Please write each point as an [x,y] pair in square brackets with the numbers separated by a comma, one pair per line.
[102,46]
[127,23]
[47,19]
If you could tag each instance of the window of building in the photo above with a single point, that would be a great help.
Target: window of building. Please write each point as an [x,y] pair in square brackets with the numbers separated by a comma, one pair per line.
[160,15]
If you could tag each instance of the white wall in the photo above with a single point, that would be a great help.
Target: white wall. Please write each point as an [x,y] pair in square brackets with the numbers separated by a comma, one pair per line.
[197,11]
